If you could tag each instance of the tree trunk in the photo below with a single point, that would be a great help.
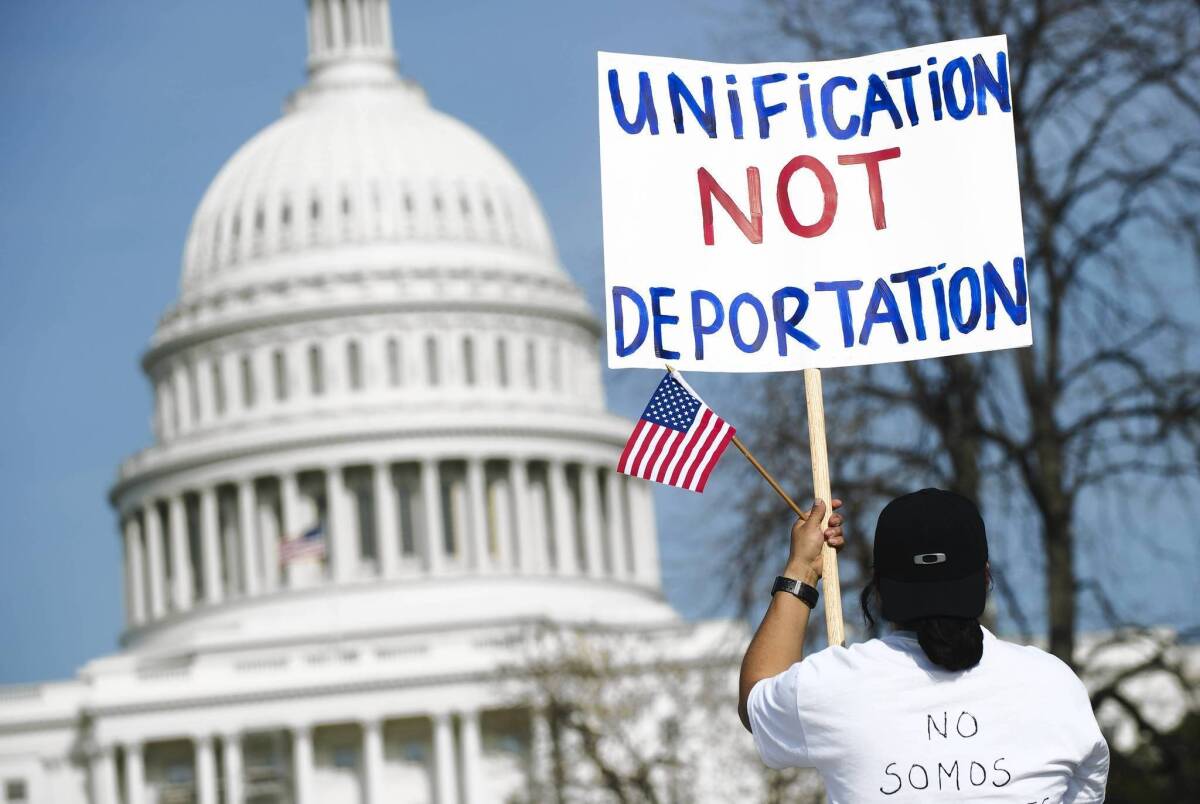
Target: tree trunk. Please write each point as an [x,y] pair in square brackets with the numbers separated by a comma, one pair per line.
[1059,536]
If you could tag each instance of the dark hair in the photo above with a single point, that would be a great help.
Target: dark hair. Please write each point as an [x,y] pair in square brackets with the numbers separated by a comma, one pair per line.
[953,643]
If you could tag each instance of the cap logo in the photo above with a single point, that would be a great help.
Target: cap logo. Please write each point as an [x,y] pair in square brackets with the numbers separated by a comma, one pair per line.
[929,558]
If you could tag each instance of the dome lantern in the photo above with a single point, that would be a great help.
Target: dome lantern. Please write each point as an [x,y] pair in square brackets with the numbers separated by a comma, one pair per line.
[350,42]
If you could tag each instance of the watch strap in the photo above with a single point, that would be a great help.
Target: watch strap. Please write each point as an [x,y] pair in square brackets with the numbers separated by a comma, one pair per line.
[807,594]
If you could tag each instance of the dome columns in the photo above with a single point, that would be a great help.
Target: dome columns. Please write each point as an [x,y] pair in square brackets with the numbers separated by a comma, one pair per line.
[384,519]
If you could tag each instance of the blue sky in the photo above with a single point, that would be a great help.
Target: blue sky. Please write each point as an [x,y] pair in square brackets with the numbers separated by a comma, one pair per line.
[117,115]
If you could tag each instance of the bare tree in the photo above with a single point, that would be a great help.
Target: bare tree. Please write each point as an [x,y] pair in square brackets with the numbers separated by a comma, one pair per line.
[641,718]
[1106,403]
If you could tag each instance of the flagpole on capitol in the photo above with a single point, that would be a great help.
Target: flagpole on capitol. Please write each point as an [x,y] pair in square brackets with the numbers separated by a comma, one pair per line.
[834,626]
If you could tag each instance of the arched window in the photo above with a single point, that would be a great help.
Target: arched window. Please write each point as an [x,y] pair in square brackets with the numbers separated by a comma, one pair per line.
[248,390]
[393,362]
[433,376]
[280,374]
[354,365]
[468,357]
[316,371]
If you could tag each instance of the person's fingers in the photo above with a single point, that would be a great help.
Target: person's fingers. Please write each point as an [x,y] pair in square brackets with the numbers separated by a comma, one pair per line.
[836,520]
[835,503]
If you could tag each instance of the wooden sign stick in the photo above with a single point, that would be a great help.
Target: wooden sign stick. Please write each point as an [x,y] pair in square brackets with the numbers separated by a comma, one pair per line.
[834,627]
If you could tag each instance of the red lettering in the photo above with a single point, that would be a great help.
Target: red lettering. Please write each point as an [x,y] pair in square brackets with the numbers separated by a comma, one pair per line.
[828,188]
[751,227]
[871,160]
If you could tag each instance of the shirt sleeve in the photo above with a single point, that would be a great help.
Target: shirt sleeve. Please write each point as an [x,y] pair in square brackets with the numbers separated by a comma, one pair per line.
[1091,773]
[774,713]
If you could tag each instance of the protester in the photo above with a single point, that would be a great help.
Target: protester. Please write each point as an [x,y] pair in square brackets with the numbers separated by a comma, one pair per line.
[939,709]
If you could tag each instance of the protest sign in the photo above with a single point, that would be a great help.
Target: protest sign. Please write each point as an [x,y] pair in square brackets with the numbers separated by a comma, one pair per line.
[784,216]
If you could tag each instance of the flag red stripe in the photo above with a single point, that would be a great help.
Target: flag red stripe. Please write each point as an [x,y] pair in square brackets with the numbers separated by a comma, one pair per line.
[690,447]
[687,480]
[653,433]
[647,469]
[668,457]
[725,439]
[697,452]
[621,464]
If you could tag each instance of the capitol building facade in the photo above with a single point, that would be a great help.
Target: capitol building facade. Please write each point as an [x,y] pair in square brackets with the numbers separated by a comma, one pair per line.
[374,347]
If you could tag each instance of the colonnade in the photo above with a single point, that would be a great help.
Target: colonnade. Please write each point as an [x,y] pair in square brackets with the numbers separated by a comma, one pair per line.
[207,388]
[387,519]
[456,774]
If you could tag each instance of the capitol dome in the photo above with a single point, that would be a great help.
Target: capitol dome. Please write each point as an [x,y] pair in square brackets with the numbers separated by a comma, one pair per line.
[380,478]
[364,165]
[375,345]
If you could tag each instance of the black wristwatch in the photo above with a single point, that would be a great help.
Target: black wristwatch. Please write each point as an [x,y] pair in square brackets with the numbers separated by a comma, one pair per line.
[806,593]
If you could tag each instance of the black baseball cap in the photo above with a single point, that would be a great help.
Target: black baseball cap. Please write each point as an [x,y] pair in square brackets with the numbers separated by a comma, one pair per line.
[931,557]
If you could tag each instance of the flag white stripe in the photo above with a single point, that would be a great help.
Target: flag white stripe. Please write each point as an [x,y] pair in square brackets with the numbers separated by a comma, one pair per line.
[639,469]
[694,453]
[708,456]
[667,451]
[681,451]
[635,458]
[632,457]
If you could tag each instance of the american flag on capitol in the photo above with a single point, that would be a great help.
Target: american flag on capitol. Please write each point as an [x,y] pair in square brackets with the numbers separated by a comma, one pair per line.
[310,544]
[678,440]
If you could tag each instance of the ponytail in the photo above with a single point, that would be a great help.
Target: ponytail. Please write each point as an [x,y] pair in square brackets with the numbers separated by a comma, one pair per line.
[952,643]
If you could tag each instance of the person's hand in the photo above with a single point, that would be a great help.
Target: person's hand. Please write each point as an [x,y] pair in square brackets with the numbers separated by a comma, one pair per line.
[805,563]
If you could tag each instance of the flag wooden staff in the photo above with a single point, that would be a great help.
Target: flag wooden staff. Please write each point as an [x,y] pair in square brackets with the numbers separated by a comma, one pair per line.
[834,628]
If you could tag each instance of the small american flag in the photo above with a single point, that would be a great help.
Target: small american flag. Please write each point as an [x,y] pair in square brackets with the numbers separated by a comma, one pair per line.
[678,440]
[311,544]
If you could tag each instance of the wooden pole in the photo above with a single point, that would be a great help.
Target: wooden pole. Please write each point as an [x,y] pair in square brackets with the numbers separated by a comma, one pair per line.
[737,442]
[834,628]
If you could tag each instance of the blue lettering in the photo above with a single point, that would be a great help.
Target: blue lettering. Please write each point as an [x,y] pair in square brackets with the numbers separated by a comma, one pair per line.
[700,329]
[620,292]
[910,103]
[913,278]
[707,117]
[986,82]
[656,295]
[968,275]
[882,309]
[960,66]
[785,327]
[878,100]
[765,112]
[939,301]
[827,107]
[843,288]
[735,327]
[994,286]
[646,112]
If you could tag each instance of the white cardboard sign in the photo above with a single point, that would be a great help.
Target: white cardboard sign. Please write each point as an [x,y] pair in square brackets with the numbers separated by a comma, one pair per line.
[780,216]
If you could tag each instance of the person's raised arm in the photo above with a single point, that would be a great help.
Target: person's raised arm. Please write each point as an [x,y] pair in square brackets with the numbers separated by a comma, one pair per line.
[779,641]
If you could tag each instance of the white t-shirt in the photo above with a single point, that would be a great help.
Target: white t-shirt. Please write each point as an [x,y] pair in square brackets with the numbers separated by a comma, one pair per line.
[880,722]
